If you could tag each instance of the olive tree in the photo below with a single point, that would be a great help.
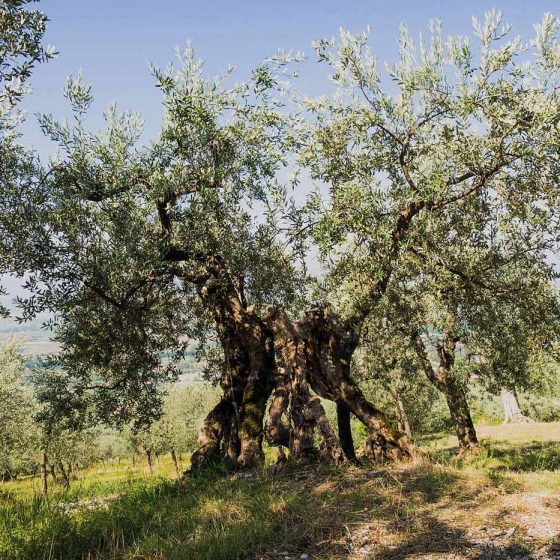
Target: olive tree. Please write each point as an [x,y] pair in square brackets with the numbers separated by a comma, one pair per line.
[21,48]
[136,249]
[18,434]
[453,124]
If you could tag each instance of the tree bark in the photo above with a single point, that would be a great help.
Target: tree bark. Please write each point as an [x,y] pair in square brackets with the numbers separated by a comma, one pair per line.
[175,464]
[345,431]
[445,381]
[235,430]
[330,449]
[211,434]
[403,423]
[277,427]
[331,344]
[288,347]
[43,467]
[316,353]
[253,406]
[512,411]
[461,415]
[305,409]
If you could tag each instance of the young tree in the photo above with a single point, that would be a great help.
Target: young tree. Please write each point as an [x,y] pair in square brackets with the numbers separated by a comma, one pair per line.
[483,309]
[18,433]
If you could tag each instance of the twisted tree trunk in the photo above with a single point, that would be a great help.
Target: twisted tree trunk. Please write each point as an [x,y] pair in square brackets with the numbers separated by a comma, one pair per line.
[461,415]
[270,352]
[216,425]
[303,409]
[320,349]
[234,428]
[331,344]
[445,381]
[277,426]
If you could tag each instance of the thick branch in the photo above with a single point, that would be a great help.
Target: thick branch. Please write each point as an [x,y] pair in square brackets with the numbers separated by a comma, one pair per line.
[104,295]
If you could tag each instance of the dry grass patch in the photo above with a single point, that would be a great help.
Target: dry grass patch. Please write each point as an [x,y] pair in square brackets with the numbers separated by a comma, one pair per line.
[503,503]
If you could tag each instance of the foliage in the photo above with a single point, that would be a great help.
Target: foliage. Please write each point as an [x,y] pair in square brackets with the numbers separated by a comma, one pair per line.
[18,434]
[116,234]
[21,35]
[435,215]
[453,147]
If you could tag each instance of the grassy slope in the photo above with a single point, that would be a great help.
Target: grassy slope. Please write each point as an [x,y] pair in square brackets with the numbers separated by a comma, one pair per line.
[505,503]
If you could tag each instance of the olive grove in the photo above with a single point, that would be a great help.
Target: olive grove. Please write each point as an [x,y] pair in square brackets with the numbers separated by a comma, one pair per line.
[434,214]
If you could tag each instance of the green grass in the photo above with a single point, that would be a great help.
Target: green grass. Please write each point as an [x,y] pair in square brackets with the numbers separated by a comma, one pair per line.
[387,511]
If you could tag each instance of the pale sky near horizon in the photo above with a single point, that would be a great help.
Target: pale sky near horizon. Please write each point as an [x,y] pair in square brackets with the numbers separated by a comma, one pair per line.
[113,41]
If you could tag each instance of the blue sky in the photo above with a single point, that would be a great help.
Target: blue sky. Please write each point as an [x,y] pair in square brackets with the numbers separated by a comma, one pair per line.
[113,40]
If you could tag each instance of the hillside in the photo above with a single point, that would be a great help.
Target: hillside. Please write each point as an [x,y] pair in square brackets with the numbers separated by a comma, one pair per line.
[504,503]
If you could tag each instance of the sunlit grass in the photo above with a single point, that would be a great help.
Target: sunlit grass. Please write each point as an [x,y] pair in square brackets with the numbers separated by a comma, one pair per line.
[121,512]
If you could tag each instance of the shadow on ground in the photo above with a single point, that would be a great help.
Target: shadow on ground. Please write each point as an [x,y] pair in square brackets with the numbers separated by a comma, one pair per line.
[326,513]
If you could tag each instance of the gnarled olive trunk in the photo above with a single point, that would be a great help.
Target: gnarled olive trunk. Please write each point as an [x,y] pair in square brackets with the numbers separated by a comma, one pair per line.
[234,428]
[320,349]
[302,409]
[258,341]
[331,344]
[277,427]
[445,381]
[313,354]
[212,432]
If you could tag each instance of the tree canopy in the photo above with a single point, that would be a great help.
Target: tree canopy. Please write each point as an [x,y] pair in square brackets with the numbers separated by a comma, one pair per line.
[434,216]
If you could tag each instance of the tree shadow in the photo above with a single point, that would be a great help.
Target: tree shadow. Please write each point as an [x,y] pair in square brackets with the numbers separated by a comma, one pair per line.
[436,537]
[430,484]
[325,512]
[506,552]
